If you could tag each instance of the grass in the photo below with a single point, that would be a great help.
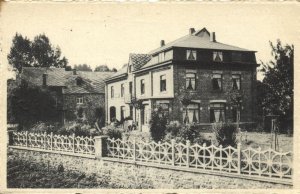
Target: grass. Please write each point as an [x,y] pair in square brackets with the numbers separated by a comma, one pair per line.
[25,174]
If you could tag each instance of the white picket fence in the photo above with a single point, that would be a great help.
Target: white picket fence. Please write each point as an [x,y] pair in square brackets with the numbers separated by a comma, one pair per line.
[50,142]
[267,164]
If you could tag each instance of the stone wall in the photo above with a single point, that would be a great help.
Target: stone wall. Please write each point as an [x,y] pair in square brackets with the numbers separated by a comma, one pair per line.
[122,175]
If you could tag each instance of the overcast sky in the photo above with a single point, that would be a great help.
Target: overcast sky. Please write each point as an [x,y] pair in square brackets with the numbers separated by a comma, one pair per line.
[98,33]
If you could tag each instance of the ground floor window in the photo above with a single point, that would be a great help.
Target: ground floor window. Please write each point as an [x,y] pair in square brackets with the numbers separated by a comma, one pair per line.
[123,113]
[191,114]
[165,109]
[217,112]
[236,115]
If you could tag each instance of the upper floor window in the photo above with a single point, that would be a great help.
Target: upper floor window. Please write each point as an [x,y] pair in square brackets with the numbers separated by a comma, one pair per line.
[130,68]
[79,100]
[142,86]
[217,81]
[112,92]
[190,81]
[236,82]
[163,83]
[191,114]
[122,90]
[217,56]
[161,56]
[191,55]
[236,56]
[217,112]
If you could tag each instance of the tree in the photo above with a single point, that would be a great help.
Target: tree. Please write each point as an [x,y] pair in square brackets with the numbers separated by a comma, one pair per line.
[158,125]
[278,84]
[30,104]
[102,68]
[235,100]
[36,53]
[83,67]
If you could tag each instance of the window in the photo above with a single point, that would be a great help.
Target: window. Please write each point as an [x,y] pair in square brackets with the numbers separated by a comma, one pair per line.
[190,81]
[163,83]
[191,55]
[142,86]
[236,56]
[191,114]
[236,82]
[217,56]
[217,112]
[112,92]
[123,113]
[165,109]
[217,81]
[161,57]
[236,114]
[122,90]
[79,100]
[130,68]
[130,87]
[131,111]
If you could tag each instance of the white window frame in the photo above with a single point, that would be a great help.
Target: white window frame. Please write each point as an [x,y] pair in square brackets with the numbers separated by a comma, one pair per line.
[215,55]
[79,100]
[194,52]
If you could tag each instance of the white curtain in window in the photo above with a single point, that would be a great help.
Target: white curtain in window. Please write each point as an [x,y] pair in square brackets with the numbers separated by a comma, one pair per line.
[217,115]
[219,83]
[238,83]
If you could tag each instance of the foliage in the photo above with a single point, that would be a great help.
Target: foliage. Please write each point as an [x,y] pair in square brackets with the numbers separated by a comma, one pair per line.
[185,97]
[278,85]
[158,125]
[226,134]
[137,103]
[104,68]
[36,53]
[83,67]
[113,132]
[30,104]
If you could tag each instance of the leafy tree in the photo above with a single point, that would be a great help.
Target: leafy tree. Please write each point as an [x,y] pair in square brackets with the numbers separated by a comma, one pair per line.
[279,85]
[36,53]
[158,125]
[102,68]
[30,104]
[83,67]
[235,100]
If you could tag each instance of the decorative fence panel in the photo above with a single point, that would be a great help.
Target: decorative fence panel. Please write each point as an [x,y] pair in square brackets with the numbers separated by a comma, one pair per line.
[267,164]
[61,143]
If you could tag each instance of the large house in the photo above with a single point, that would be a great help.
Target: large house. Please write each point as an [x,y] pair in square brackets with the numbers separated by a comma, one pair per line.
[192,79]
[70,89]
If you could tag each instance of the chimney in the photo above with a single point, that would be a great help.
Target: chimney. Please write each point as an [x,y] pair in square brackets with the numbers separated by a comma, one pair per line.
[74,72]
[192,30]
[213,37]
[162,43]
[45,75]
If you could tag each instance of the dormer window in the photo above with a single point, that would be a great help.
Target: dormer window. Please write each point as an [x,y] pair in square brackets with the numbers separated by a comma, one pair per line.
[217,56]
[79,100]
[191,55]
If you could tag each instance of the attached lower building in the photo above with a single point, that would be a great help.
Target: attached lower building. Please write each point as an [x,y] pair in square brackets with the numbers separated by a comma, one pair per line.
[193,79]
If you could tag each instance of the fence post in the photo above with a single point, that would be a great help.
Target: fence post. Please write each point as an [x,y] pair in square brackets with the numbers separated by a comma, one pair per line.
[188,143]
[51,141]
[73,141]
[100,146]
[173,151]
[239,161]
[45,143]
[10,138]
[26,138]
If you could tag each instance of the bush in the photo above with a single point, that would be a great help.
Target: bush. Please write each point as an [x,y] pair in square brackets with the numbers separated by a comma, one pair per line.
[225,134]
[113,132]
[158,125]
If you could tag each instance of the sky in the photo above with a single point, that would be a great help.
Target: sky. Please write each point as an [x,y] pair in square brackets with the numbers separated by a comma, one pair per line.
[106,33]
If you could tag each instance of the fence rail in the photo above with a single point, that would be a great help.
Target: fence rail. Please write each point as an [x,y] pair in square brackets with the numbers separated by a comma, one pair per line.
[61,143]
[266,165]
[251,162]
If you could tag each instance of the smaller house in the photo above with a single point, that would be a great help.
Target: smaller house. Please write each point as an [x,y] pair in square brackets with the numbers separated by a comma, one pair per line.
[72,90]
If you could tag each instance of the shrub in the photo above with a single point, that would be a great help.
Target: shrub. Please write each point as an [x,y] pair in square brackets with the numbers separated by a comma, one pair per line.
[158,125]
[225,134]
[113,132]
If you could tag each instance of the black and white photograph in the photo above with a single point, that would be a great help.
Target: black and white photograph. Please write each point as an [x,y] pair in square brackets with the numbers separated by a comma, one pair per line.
[148,95]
